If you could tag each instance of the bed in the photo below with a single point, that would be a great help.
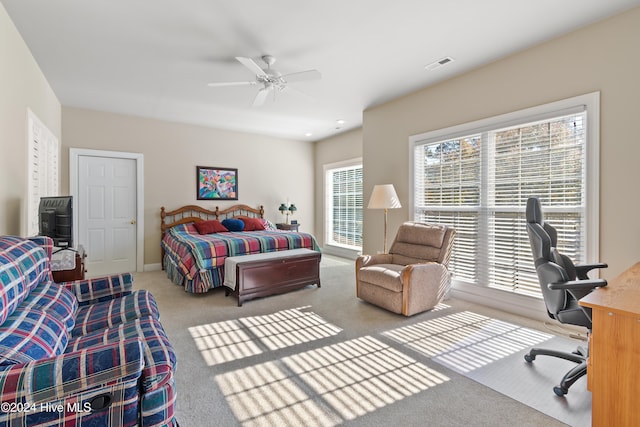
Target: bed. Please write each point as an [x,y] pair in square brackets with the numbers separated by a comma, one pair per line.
[196,261]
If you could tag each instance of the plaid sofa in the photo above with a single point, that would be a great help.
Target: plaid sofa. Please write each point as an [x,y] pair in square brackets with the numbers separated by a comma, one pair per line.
[90,352]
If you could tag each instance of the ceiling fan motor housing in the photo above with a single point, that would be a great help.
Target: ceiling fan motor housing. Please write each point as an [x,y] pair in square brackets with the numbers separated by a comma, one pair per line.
[271,77]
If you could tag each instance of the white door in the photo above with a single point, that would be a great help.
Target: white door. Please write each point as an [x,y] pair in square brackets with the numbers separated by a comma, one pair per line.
[107,214]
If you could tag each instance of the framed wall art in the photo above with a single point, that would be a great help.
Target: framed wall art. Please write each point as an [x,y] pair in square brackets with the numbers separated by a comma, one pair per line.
[216,183]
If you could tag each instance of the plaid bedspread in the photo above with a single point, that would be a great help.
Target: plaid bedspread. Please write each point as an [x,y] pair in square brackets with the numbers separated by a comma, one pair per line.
[193,253]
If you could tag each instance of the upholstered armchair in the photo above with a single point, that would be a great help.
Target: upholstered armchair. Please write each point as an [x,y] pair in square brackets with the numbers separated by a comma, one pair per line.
[414,276]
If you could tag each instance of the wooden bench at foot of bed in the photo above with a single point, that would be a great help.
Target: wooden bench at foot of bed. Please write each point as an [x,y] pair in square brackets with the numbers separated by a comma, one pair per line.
[264,274]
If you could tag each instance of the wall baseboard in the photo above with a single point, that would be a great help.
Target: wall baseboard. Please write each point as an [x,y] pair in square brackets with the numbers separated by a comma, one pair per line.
[341,252]
[522,305]
[153,267]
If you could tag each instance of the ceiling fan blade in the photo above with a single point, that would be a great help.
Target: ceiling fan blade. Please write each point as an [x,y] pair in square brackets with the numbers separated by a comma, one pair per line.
[220,84]
[262,96]
[251,65]
[302,76]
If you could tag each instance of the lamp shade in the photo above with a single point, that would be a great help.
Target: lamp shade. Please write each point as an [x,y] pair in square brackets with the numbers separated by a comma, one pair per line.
[384,196]
[293,208]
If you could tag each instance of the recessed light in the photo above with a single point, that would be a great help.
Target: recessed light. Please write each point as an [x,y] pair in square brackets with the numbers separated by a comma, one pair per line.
[308,134]
[340,121]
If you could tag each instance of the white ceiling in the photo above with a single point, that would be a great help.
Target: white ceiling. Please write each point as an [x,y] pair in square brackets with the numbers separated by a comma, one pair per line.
[154,58]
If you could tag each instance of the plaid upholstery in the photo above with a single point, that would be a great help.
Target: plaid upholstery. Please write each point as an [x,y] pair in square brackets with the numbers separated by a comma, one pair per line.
[106,314]
[73,380]
[29,335]
[159,356]
[158,406]
[23,265]
[45,242]
[64,346]
[54,299]
[90,291]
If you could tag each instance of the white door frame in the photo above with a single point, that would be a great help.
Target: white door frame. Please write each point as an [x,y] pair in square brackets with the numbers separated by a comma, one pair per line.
[74,154]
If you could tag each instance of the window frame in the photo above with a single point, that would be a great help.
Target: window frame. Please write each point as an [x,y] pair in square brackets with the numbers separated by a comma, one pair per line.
[591,105]
[330,246]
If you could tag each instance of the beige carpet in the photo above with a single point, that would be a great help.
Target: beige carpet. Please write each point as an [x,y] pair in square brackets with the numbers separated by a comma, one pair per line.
[321,357]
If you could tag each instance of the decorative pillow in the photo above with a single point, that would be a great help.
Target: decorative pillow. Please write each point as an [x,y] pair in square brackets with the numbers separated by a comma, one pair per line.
[268,225]
[211,226]
[188,228]
[252,224]
[233,224]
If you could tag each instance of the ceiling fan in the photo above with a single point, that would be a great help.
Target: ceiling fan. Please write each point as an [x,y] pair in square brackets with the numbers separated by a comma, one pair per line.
[270,79]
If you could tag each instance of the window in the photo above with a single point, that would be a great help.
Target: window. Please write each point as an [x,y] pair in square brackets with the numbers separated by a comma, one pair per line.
[477,178]
[43,169]
[343,200]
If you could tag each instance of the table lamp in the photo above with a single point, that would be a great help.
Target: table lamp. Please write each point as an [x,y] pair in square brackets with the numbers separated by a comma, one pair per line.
[287,210]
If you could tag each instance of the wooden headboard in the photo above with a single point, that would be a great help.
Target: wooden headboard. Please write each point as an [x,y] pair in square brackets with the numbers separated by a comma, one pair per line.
[193,213]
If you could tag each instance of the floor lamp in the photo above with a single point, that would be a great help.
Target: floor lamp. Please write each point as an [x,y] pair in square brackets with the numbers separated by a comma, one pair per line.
[384,197]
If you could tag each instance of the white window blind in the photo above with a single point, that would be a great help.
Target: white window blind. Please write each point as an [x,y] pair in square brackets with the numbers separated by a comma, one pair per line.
[479,183]
[344,206]
[43,169]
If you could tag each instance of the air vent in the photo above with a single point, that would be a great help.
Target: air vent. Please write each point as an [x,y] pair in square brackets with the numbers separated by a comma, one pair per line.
[444,61]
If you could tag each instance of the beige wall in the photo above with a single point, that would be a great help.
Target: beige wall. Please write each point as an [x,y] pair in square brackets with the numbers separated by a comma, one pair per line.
[22,86]
[270,170]
[345,146]
[602,57]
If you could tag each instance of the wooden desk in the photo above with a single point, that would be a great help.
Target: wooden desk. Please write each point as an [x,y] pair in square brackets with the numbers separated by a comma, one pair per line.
[613,370]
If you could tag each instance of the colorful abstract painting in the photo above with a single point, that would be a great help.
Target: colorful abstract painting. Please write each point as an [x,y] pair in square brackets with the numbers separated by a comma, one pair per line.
[217,183]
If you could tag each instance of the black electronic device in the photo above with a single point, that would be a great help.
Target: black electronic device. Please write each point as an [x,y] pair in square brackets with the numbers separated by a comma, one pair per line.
[55,218]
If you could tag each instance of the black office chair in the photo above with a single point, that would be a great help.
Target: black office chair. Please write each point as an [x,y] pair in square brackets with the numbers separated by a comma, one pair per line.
[562,284]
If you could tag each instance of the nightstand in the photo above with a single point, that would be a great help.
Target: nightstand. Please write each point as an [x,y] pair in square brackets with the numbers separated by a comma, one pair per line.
[288,227]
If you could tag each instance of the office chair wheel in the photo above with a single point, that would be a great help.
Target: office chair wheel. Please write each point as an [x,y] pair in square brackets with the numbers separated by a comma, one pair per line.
[559,391]
[529,358]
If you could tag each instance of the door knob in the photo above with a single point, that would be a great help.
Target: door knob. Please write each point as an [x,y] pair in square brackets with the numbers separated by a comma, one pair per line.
[133,221]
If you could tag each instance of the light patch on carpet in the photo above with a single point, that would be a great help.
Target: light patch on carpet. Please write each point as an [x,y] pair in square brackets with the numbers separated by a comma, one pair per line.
[230,340]
[265,395]
[223,342]
[491,352]
[466,341]
[326,386]
[287,328]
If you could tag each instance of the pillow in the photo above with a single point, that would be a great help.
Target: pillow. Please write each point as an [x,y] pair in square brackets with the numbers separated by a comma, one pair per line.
[188,228]
[268,225]
[252,224]
[211,226]
[233,224]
